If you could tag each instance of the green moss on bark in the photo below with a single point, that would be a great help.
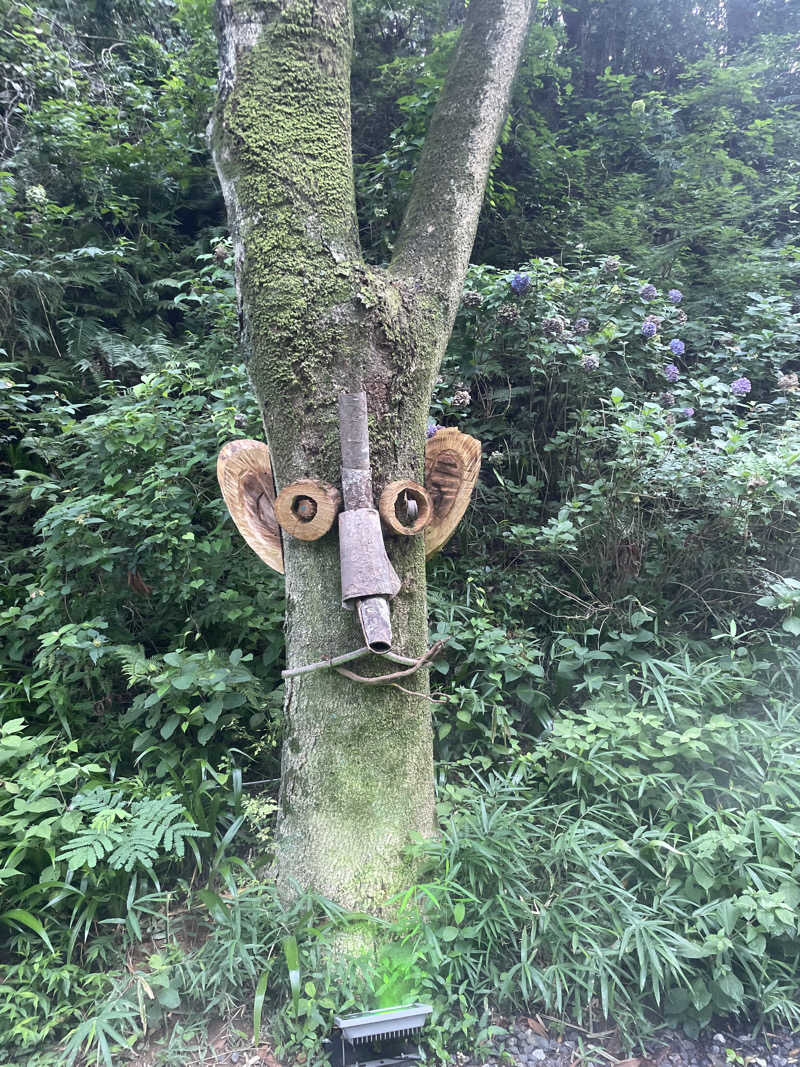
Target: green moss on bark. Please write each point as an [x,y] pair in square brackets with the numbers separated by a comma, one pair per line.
[285,125]
[357,778]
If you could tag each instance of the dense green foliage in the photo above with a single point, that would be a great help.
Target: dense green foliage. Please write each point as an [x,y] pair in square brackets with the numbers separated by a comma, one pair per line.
[617,712]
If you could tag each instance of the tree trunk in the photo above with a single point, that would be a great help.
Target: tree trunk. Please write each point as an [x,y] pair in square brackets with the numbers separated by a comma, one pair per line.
[357,773]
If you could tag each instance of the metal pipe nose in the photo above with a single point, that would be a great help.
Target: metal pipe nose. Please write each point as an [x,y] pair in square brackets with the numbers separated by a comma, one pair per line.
[376,623]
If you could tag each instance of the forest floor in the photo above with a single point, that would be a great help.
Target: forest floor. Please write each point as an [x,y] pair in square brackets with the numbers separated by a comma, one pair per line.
[532,1042]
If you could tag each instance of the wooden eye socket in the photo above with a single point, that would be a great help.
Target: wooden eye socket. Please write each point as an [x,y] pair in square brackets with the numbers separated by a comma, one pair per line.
[307,509]
[405,507]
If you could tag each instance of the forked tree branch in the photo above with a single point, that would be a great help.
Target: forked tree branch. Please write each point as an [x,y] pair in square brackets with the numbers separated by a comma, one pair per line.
[438,231]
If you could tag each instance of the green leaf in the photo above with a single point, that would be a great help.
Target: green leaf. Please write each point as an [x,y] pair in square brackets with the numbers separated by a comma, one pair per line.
[168,729]
[169,998]
[213,709]
[677,1002]
[19,915]
[258,1005]
[293,966]
[205,733]
[703,876]
[215,905]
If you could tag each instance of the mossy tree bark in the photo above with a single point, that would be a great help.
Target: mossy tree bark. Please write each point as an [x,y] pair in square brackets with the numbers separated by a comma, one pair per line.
[357,775]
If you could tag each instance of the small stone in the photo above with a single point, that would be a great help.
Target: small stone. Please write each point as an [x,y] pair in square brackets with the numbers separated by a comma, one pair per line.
[719,1039]
[537,1056]
[539,1042]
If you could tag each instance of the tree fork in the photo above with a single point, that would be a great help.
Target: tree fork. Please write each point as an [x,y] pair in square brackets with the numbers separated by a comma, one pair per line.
[357,769]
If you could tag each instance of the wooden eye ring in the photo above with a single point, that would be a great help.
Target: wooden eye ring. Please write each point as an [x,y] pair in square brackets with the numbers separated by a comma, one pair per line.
[307,509]
[392,498]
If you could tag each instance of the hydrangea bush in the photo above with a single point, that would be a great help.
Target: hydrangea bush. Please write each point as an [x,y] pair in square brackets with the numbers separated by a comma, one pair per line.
[665,496]
[629,626]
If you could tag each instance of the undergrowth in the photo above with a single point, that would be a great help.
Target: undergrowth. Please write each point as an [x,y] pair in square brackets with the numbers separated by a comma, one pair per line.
[616,713]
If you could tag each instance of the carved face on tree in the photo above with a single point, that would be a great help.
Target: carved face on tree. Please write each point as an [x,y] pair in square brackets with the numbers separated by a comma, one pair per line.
[307,510]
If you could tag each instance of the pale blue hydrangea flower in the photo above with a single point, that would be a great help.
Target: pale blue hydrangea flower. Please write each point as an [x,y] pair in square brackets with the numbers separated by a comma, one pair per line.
[520,284]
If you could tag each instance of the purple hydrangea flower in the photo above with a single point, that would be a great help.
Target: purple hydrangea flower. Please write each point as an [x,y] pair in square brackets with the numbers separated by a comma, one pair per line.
[432,429]
[590,362]
[649,292]
[671,373]
[554,325]
[687,412]
[675,296]
[649,329]
[741,387]
[677,347]
[581,325]
[520,284]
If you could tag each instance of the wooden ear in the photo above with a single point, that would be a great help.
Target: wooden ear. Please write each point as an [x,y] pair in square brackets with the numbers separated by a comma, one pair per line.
[452,463]
[244,473]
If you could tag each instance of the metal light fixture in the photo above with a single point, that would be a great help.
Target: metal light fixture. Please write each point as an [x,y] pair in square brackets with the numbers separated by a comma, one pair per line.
[386,1026]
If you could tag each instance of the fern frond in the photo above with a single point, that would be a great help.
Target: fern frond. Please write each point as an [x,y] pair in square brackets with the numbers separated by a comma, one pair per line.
[135,664]
[128,834]
[157,825]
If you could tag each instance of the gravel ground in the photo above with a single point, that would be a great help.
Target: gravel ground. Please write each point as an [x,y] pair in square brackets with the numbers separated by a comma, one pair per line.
[530,1044]
[533,1042]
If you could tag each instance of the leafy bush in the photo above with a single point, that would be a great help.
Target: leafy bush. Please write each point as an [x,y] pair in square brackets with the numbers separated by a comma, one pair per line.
[643,859]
